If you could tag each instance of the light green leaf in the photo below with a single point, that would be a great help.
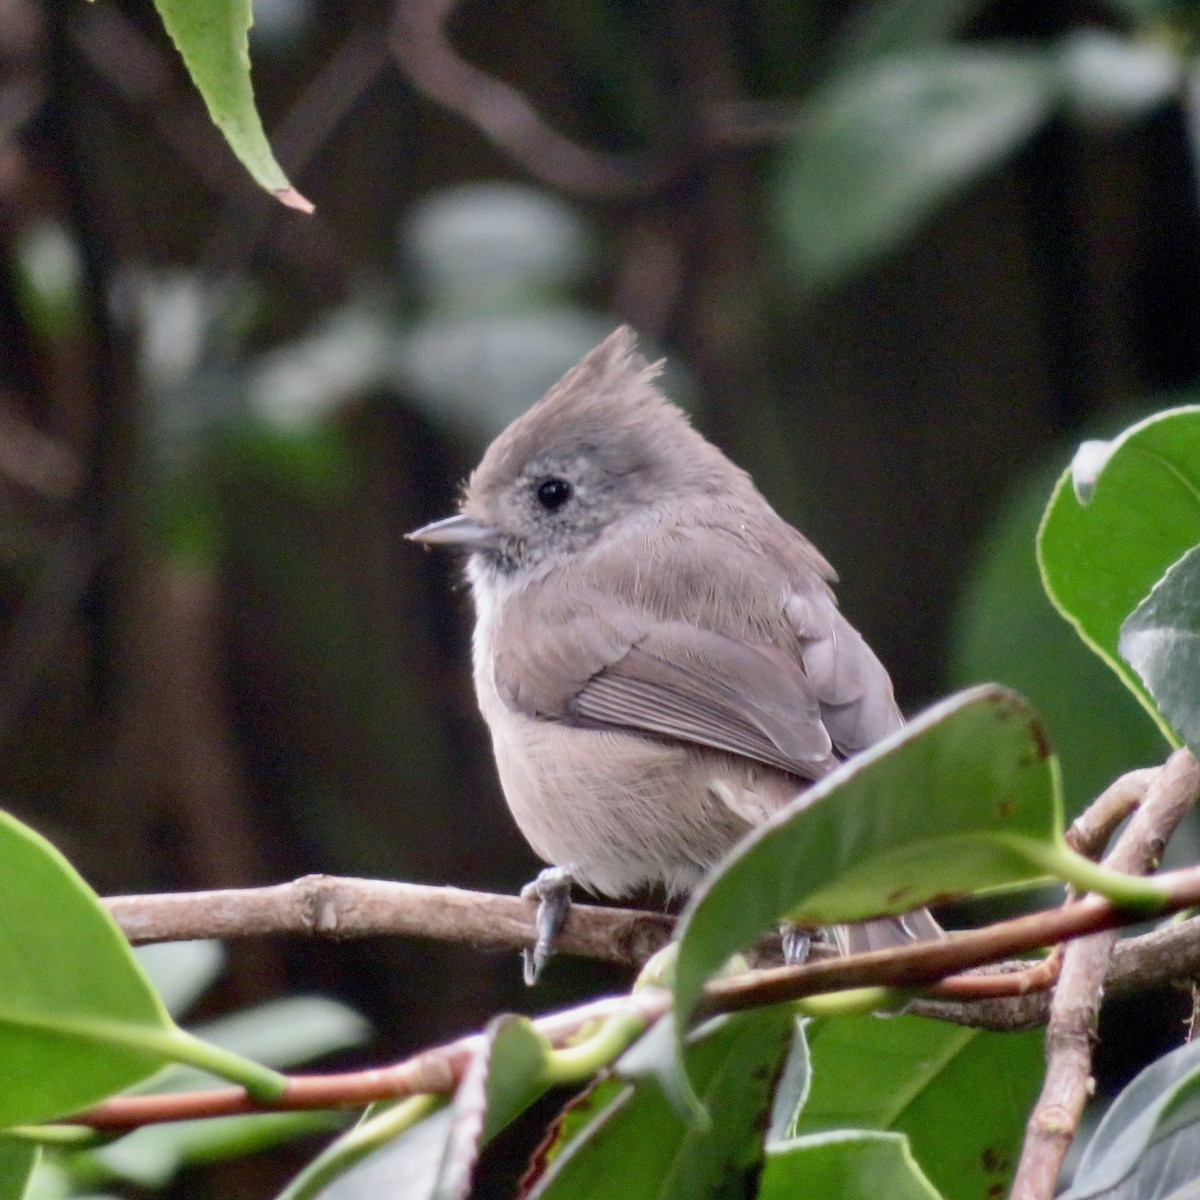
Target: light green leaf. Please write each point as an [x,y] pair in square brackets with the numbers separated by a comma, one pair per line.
[181,972]
[849,1165]
[637,1146]
[211,35]
[18,1158]
[154,1155]
[79,1020]
[963,799]
[1160,639]
[421,1150]
[919,1077]
[885,146]
[76,1010]
[1139,513]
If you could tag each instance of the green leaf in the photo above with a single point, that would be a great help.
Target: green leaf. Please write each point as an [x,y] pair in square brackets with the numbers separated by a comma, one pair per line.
[637,1146]
[921,1078]
[212,38]
[499,1085]
[1119,517]
[433,1157]
[1148,1143]
[965,798]
[181,972]
[79,1020]
[280,1033]
[882,148]
[851,1165]
[78,1017]
[18,1158]
[588,1107]
[1160,639]
[154,1155]
[795,1081]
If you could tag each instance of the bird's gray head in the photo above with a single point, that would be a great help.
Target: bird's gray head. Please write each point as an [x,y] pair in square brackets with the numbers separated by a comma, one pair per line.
[602,446]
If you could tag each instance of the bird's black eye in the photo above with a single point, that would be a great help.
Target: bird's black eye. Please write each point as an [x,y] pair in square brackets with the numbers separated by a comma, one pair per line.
[554,493]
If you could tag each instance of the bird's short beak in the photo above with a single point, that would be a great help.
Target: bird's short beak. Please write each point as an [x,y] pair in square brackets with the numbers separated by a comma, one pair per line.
[460,530]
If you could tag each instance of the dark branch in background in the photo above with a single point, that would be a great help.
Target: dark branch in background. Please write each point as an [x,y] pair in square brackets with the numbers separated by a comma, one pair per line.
[1075,1009]
[47,610]
[422,49]
[155,89]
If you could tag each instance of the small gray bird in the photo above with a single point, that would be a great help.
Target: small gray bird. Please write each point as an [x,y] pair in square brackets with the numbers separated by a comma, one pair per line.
[657,653]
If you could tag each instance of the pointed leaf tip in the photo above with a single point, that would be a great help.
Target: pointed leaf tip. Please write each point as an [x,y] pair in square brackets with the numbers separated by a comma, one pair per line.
[293,199]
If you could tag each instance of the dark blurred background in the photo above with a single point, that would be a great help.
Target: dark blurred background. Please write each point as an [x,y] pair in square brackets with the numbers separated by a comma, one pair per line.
[902,256]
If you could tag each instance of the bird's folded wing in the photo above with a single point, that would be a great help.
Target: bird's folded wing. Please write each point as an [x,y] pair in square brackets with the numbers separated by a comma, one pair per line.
[678,681]
[858,707]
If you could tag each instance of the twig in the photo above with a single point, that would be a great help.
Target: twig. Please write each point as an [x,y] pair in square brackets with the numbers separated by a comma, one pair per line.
[1091,830]
[1075,1009]
[421,48]
[917,965]
[337,907]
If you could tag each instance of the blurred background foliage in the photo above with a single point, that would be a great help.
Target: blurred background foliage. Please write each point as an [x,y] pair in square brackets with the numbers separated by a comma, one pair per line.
[903,254]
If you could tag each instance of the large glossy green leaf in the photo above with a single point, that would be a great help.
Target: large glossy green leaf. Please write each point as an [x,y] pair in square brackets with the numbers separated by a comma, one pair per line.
[1148,1144]
[1123,513]
[965,798]
[79,1020]
[885,145]
[961,1096]
[638,1146]
[212,38]
[850,1165]
[1160,639]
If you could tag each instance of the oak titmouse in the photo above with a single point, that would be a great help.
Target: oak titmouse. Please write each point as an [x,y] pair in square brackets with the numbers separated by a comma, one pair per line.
[657,653]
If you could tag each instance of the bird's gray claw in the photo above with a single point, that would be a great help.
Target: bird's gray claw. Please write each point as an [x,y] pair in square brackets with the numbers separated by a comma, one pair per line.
[552,890]
[796,944]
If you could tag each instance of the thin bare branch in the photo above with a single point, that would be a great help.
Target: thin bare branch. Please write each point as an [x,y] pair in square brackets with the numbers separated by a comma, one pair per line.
[421,48]
[1091,830]
[1075,1009]
[337,907]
